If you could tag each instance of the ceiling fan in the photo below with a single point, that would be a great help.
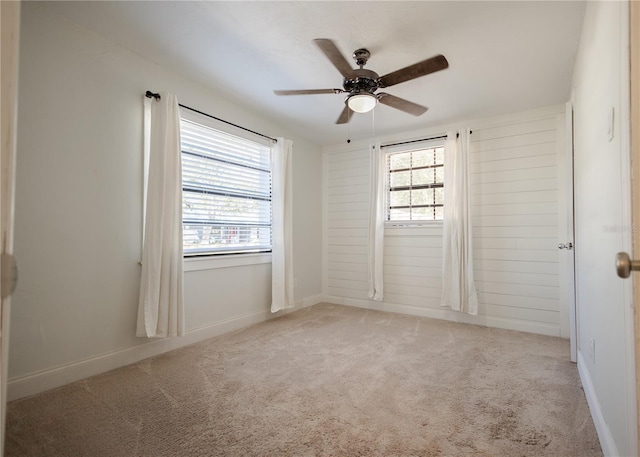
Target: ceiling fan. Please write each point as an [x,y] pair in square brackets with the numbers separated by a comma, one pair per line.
[361,85]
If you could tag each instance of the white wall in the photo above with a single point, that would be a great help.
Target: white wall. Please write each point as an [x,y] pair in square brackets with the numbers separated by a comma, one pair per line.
[516,161]
[603,225]
[79,210]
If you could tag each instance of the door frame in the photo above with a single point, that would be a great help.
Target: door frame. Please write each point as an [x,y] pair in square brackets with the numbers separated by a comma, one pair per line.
[10,26]
[566,235]
[569,225]
[634,133]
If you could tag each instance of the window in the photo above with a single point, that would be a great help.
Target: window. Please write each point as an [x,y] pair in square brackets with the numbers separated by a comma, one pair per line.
[415,184]
[226,192]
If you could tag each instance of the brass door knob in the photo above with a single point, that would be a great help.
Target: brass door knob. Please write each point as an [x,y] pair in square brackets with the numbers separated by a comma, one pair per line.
[624,265]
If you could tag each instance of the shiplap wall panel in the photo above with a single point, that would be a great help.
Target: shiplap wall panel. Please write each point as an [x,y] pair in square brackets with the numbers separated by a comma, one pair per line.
[347,207]
[416,291]
[340,172]
[520,163]
[518,301]
[518,232]
[501,266]
[500,209]
[515,243]
[478,144]
[522,314]
[412,300]
[516,255]
[347,198]
[348,274]
[543,196]
[348,249]
[405,241]
[509,277]
[336,268]
[351,164]
[413,261]
[507,187]
[418,272]
[412,280]
[347,258]
[348,284]
[514,186]
[348,232]
[347,218]
[515,129]
[347,215]
[348,181]
[533,150]
[514,174]
[533,220]
[350,189]
[348,223]
[348,241]
[510,288]
[347,293]
[412,251]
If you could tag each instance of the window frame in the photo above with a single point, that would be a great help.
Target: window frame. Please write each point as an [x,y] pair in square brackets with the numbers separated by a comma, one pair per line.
[220,258]
[406,148]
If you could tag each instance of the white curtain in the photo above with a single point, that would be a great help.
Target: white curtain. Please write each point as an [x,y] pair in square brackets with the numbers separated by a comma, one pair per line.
[458,288]
[160,308]
[377,170]
[282,205]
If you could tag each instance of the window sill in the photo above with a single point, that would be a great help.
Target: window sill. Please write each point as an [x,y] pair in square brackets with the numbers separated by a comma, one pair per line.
[411,224]
[226,261]
[429,229]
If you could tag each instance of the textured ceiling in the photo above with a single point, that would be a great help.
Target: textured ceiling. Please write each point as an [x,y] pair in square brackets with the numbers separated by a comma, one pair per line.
[503,56]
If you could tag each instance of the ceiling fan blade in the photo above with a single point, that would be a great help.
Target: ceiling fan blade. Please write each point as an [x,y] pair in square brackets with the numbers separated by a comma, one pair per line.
[345,116]
[416,70]
[401,104]
[308,91]
[332,52]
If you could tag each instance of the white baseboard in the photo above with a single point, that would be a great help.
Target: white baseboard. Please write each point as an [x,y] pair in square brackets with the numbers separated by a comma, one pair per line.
[449,315]
[300,304]
[34,383]
[607,442]
[309,301]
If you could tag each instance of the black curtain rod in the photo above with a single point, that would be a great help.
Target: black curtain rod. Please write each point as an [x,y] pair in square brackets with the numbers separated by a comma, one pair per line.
[418,141]
[150,94]
[413,141]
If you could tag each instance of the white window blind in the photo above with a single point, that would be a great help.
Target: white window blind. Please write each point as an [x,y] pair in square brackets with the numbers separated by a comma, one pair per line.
[415,184]
[226,184]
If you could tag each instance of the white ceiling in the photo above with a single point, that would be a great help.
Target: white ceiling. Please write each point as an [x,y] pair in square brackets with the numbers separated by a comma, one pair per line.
[503,56]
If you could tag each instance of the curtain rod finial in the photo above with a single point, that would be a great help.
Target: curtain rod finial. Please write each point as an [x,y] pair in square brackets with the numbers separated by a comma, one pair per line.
[150,94]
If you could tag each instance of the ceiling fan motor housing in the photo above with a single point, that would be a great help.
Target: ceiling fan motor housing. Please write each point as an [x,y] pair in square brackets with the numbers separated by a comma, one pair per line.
[361,81]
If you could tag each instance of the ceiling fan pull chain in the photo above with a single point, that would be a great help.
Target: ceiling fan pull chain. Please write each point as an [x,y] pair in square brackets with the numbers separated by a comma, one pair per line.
[373,123]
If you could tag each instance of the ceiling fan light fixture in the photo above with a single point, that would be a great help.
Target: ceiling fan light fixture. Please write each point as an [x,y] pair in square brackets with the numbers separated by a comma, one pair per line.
[361,103]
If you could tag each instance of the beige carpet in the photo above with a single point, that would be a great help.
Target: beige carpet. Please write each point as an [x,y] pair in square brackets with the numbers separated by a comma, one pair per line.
[324,381]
